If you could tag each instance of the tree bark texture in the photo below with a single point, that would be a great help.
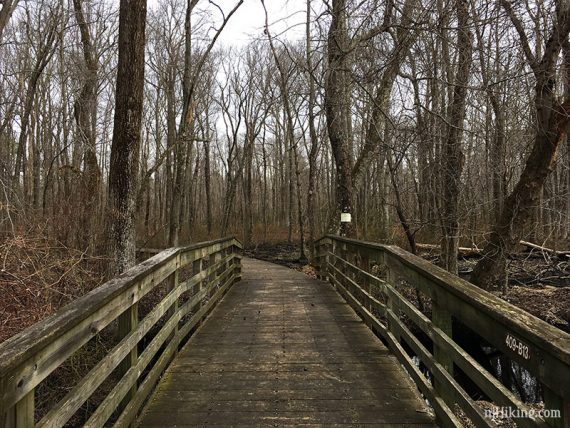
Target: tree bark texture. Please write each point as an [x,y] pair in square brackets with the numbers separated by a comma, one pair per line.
[453,154]
[125,147]
[337,109]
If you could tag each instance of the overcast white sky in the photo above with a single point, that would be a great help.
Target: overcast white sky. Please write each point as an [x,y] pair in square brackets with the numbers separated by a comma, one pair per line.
[249,20]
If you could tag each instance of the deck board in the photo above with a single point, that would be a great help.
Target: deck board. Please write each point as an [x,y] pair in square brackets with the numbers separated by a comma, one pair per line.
[282,349]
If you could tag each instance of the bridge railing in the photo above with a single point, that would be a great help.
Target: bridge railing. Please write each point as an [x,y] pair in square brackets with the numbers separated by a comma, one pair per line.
[150,310]
[415,307]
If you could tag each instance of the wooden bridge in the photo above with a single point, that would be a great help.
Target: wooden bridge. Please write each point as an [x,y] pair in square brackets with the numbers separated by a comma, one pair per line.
[187,339]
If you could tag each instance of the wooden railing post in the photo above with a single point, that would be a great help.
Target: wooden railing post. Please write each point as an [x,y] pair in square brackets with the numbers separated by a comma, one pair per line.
[128,322]
[317,258]
[324,246]
[343,255]
[334,249]
[553,401]
[197,268]
[441,318]
[222,254]
[237,263]
[172,284]
[392,279]
[213,277]
[25,411]
[22,414]
[365,266]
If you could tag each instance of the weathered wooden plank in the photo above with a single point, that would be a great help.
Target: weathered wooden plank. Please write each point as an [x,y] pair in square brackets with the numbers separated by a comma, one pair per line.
[112,400]
[536,331]
[88,384]
[364,299]
[478,374]
[22,376]
[541,345]
[25,411]
[19,348]
[242,352]
[26,359]
[199,251]
[443,412]
[445,386]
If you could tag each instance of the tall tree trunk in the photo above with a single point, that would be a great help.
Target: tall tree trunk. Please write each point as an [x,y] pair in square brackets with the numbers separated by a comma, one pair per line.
[290,138]
[44,54]
[552,121]
[381,101]
[314,142]
[184,127]
[207,184]
[125,147]
[337,106]
[85,117]
[290,187]
[399,206]
[248,185]
[567,95]
[454,157]
[170,144]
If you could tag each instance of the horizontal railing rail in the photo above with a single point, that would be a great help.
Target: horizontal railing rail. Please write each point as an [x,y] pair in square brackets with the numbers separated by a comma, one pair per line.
[150,310]
[414,306]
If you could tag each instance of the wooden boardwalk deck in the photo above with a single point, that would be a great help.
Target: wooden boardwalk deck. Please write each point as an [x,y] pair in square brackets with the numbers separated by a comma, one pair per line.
[282,349]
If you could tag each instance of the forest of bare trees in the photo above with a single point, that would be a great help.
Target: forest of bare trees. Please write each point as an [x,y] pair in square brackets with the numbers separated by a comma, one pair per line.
[428,121]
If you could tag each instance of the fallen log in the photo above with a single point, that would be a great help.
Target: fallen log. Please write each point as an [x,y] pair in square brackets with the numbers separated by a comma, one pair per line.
[530,246]
[463,251]
[474,251]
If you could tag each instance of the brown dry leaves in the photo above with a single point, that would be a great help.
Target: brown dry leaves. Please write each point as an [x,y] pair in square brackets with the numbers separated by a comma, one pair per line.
[37,277]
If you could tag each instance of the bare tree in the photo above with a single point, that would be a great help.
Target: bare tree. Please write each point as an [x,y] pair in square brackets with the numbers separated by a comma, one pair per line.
[48,20]
[552,121]
[453,157]
[86,118]
[191,76]
[337,105]
[8,7]
[125,149]
[290,132]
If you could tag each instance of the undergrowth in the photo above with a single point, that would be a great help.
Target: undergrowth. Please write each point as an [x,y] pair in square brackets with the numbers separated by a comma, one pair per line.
[38,276]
